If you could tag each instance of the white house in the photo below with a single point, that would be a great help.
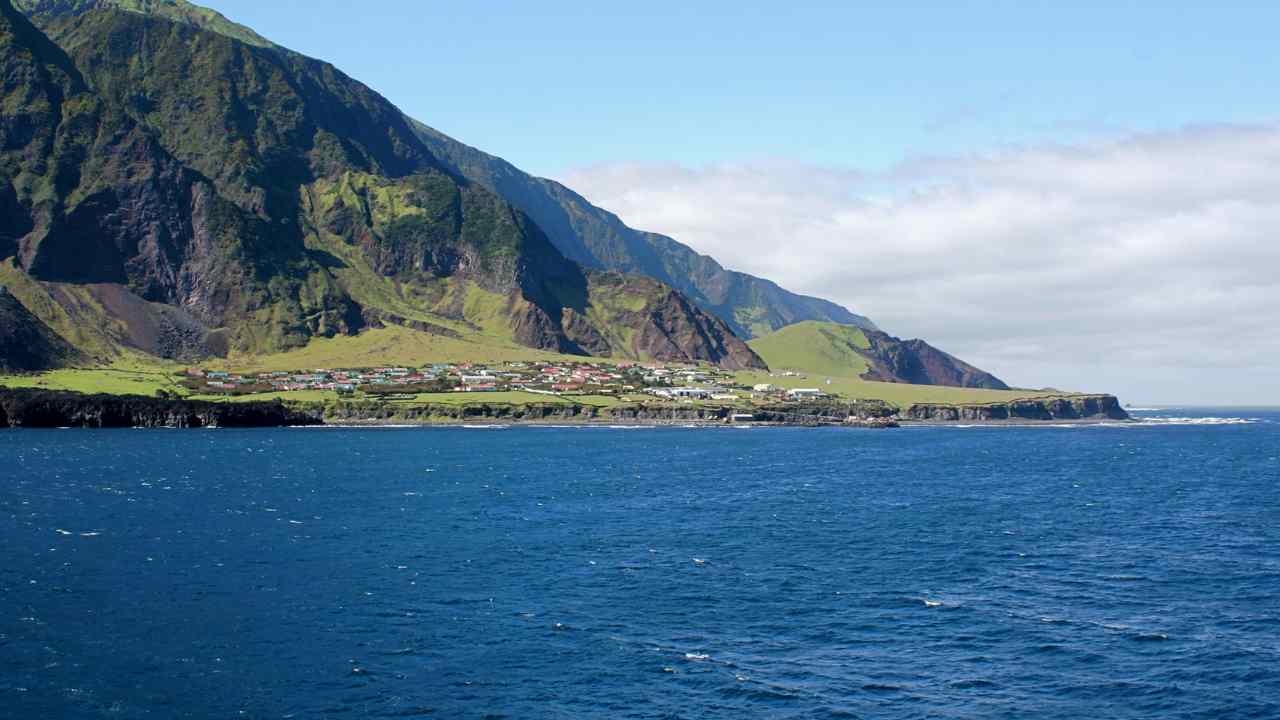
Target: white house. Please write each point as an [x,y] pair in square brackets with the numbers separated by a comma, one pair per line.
[805,393]
[683,393]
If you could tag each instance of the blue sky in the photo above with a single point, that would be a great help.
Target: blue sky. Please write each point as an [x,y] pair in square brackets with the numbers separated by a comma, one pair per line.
[555,85]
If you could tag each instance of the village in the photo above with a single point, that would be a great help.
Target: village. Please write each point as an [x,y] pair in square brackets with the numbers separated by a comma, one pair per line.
[627,382]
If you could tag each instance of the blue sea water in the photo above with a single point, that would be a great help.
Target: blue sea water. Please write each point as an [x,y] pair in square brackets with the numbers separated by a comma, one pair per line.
[1109,572]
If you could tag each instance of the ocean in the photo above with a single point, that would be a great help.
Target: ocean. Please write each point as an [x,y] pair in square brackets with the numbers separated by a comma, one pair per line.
[940,572]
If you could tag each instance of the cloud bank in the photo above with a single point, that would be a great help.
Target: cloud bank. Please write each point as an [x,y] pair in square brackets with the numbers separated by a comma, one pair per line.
[1146,265]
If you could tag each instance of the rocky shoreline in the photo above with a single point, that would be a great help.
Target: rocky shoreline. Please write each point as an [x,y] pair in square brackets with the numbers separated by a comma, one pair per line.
[1097,408]
[26,408]
[32,408]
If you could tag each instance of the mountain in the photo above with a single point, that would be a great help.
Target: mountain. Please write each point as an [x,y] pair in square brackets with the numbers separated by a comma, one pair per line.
[847,351]
[172,187]
[597,238]
[584,233]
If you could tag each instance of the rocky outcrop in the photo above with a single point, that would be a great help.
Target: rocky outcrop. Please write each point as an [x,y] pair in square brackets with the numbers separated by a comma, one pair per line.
[46,409]
[870,412]
[919,363]
[1084,407]
[26,343]
[673,330]
[29,408]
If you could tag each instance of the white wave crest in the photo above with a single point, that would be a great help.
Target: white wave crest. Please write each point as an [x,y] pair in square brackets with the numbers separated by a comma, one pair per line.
[1197,421]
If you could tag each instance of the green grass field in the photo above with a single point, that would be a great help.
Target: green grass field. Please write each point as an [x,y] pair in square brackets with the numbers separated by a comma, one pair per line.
[826,355]
[899,394]
[111,381]
[384,346]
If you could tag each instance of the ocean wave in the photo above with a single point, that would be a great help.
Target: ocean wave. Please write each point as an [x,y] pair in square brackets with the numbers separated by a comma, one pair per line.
[1197,421]
[358,426]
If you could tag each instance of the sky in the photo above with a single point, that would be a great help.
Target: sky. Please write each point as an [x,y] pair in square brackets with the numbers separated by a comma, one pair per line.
[1079,195]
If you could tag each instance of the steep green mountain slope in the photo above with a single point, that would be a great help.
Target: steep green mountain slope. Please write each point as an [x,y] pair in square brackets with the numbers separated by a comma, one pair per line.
[175,10]
[26,343]
[820,348]
[597,238]
[93,198]
[849,352]
[185,193]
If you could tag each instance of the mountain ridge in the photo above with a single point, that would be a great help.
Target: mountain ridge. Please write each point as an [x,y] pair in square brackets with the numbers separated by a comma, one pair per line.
[175,10]
[585,233]
[596,237]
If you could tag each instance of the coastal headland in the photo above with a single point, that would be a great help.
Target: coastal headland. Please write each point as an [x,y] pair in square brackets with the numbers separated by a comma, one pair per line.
[36,408]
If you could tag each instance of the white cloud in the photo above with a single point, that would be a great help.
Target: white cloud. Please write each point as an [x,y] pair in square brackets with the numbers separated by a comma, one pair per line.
[1149,261]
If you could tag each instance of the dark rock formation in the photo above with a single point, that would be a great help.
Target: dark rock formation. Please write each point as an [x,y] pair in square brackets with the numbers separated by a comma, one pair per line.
[919,363]
[673,330]
[1085,407]
[48,409]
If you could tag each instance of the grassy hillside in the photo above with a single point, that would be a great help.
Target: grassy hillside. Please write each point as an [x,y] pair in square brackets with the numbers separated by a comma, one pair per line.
[815,347]
[849,362]
[386,346]
[845,351]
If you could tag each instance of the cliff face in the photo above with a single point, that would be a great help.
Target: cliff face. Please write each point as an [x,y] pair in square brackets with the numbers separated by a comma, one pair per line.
[919,363]
[97,199]
[1091,407]
[670,328]
[157,158]
[44,409]
[790,414]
